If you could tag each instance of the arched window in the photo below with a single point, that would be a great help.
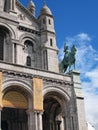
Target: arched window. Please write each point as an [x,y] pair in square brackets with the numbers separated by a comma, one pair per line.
[29,47]
[1,45]
[28,61]
[5,44]
[29,53]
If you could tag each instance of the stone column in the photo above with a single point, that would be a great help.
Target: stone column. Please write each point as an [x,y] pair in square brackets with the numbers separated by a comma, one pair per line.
[62,124]
[40,121]
[0,117]
[12,5]
[36,120]
[2,3]
[30,119]
[19,54]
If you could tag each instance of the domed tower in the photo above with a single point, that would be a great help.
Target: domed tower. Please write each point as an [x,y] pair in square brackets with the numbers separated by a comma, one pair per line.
[48,39]
[31,7]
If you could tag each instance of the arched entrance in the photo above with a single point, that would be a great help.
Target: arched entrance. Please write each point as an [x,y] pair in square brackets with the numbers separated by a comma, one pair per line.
[14,116]
[53,112]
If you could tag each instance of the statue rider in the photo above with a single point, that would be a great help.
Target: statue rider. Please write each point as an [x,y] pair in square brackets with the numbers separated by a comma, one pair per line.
[65,62]
[69,58]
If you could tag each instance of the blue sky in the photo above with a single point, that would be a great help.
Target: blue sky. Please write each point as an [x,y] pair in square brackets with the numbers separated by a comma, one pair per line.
[76,23]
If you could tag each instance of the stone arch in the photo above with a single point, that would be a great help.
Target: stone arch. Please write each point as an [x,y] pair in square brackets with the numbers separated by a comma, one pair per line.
[51,88]
[21,86]
[17,102]
[28,36]
[33,53]
[12,32]
[55,105]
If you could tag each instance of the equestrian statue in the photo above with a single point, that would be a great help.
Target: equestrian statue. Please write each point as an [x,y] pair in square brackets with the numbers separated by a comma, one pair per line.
[69,59]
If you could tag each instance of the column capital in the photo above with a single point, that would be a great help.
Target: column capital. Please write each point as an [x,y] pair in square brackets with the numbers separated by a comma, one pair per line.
[29,111]
[39,112]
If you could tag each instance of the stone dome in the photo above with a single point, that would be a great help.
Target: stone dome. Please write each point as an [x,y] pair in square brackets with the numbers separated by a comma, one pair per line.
[45,10]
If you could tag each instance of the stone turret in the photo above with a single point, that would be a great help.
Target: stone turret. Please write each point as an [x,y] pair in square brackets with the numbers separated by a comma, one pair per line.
[31,7]
[48,39]
[46,19]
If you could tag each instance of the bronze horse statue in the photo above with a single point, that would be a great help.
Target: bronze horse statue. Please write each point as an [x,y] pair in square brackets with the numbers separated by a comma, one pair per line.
[69,58]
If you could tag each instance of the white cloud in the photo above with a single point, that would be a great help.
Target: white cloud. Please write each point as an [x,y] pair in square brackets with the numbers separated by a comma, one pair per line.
[91,96]
[79,39]
[93,76]
[90,127]
[91,105]
[87,64]
[83,36]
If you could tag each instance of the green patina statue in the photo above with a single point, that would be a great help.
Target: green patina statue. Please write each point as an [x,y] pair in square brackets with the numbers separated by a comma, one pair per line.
[69,58]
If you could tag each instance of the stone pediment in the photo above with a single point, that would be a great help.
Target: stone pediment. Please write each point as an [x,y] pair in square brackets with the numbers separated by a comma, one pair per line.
[24,15]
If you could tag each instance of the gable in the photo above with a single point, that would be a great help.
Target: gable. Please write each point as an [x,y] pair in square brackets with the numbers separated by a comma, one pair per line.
[24,16]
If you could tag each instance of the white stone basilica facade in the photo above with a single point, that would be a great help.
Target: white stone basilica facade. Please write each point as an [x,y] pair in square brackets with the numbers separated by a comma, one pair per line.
[34,95]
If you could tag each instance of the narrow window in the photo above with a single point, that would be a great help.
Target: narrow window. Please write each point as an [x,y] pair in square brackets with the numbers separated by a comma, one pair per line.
[15,53]
[49,21]
[44,21]
[51,42]
[1,45]
[45,60]
[28,61]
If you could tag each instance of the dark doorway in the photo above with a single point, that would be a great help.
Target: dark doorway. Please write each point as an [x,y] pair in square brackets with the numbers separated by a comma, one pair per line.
[14,119]
[52,109]
[4,125]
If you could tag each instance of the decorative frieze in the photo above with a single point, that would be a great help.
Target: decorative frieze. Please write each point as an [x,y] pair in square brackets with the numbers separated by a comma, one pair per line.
[28,29]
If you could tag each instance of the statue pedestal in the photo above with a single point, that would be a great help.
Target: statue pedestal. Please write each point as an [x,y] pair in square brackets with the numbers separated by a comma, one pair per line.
[78,95]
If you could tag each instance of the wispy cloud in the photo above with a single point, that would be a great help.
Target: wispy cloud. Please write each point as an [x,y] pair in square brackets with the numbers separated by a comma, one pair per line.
[83,37]
[87,64]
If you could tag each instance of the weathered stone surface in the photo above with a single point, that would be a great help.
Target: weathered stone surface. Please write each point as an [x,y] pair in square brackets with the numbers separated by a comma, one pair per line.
[33,40]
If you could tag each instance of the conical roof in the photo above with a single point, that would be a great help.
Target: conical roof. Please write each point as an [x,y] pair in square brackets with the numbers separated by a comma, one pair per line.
[31,4]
